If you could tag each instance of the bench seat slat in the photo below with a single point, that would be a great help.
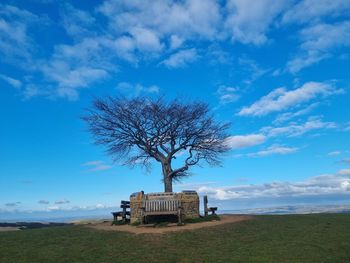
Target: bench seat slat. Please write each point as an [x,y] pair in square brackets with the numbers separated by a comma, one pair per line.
[160,212]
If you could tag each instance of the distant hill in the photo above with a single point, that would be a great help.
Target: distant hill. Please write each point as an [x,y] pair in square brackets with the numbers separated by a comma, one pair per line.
[282,210]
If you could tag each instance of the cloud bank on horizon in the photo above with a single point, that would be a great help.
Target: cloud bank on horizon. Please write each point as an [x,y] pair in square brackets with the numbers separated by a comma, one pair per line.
[278,70]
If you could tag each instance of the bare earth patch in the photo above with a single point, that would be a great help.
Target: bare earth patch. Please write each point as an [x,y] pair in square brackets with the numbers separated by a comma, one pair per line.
[149,229]
[8,228]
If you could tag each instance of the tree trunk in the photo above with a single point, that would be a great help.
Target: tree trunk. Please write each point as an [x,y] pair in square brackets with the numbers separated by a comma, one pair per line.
[168,181]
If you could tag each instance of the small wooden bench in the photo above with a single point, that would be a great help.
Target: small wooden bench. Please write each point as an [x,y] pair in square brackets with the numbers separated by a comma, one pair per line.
[208,209]
[213,210]
[124,205]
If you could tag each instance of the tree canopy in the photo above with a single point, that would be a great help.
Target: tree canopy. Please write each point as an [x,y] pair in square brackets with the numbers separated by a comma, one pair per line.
[138,130]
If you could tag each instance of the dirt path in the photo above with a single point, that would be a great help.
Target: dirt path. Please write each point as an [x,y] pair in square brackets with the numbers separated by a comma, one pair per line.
[8,228]
[149,229]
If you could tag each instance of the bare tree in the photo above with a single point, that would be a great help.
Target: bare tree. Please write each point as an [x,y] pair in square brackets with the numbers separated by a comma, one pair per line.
[138,130]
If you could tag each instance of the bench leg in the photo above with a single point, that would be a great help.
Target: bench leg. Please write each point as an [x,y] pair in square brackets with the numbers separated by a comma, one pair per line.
[179,216]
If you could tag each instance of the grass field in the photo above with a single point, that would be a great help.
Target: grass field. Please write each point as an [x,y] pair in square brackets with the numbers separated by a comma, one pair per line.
[288,238]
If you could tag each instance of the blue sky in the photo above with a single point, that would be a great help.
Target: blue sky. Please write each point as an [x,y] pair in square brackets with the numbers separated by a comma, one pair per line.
[278,70]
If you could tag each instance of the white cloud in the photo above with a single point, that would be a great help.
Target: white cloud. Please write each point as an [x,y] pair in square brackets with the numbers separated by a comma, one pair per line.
[227,94]
[146,39]
[70,79]
[72,67]
[334,153]
[137,89]
[43,202]
[249,21]
[164,32]
[290,115]
[244,141]
[325,36]
[281,99]
[15,43]
[181,58]
[295,129]
[100,206]
[175,42]
[123,47]
[309,10]
[252,68]
[97,166]
[319,42]
[323,185]
[53,208]
[76,22]
[186,19]
[274,149]
[13,82]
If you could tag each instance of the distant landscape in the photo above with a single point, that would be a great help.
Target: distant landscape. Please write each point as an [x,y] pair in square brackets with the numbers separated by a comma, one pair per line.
[71,216]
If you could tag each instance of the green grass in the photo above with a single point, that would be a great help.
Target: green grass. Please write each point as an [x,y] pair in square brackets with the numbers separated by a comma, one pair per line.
[291,238]
[203,219]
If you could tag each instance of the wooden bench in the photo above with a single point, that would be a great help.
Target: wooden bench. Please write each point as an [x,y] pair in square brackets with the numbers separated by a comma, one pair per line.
[124,205]
[208,209]
[161,204]
[213,210]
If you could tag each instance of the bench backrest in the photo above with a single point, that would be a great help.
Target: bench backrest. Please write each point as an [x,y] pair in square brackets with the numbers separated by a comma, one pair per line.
[161,203]
[167,205]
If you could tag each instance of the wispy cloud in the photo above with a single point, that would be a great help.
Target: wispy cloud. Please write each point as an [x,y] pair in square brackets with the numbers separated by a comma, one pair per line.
[13,82]
[249,23]
[252,69]
[319,42]
[43,202]
[13,204]
[76,22]
[16,47]
[227,94]
[281,99]
[283,117]
[97,166]
[244,141]
[137,89]
[181,59]
[306,11]
[334,153]
[297,129]
[62,202]
[273,150]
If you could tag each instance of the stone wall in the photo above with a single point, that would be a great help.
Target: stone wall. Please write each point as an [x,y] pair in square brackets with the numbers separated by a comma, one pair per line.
[190,204]
[135,207]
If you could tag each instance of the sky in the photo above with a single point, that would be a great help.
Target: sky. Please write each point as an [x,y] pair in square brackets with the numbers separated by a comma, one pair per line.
[277,70]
